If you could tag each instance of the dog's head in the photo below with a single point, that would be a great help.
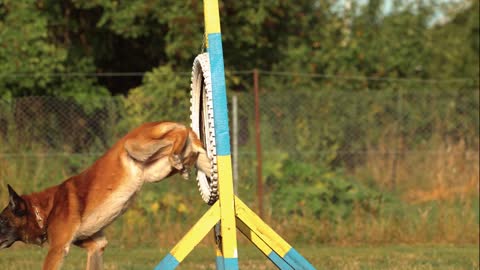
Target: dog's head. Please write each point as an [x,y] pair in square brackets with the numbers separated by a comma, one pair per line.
[13,219]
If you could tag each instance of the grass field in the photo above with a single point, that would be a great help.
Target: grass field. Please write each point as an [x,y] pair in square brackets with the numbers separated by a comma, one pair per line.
[322,257]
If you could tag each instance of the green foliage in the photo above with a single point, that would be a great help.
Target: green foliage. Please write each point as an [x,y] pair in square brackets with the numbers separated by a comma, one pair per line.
[42,39]
[453,47]
[31,63]
[161,30]
[305,189]
[28,50]
[164,95]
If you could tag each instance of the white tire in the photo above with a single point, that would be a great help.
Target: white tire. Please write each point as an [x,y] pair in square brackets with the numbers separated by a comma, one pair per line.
[202,123]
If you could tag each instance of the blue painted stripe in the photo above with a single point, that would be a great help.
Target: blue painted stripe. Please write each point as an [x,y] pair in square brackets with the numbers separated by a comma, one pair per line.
[219,262]
[169,262]
[297,261]
[230,263]
[220,109]
[278,261]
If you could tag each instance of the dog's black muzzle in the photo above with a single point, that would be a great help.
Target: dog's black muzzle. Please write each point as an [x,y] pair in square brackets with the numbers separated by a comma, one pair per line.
[7,234]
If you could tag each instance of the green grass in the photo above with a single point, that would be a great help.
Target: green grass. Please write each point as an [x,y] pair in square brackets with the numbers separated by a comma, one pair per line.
[322,257]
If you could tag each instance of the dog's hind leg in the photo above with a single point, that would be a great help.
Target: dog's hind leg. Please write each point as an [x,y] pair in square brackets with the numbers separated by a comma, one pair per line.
[95,245]
[176,157]
[203,162]
[153,141]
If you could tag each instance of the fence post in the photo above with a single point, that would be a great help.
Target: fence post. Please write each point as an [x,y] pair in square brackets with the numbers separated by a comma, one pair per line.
[258,144]
[397,138]
[235,143]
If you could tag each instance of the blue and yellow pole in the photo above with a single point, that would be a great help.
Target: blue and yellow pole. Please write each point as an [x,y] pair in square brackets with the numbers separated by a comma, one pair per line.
[191,239]
[262,246]
[227,208]
[279,251]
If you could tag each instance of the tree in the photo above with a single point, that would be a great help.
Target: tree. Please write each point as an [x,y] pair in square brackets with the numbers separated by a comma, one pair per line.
[30,59]
[42,39]
[454,50]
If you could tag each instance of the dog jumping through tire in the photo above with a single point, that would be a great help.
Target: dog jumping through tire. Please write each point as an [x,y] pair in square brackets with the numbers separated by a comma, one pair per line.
[78,210]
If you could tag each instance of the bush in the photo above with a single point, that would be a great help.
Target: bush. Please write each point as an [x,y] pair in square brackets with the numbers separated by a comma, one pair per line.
[303,189]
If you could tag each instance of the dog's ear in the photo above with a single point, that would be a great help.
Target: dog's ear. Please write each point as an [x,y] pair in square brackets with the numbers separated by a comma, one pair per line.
[16,203]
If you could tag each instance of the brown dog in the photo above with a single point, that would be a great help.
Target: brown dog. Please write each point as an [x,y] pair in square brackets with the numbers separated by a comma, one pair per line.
[77,210]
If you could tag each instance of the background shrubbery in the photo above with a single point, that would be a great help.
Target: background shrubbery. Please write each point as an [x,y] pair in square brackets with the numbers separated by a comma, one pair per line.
[306,190]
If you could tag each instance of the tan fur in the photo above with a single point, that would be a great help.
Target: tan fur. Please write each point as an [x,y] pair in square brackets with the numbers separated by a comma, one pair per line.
[77,210]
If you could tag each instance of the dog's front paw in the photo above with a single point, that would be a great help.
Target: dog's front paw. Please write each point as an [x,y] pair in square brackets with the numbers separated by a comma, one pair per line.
[176,162]
[184,173]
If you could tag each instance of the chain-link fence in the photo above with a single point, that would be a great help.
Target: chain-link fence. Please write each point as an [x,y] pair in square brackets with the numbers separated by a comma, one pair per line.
[388,131]
[400,134]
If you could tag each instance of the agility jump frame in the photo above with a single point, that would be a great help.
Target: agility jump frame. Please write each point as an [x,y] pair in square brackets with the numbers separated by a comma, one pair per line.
[229,211]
